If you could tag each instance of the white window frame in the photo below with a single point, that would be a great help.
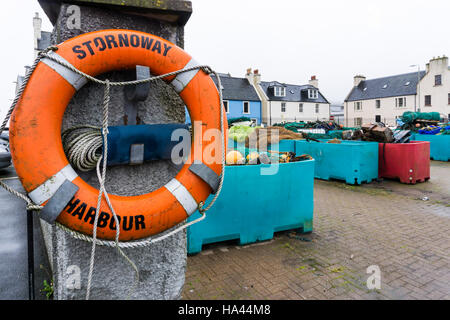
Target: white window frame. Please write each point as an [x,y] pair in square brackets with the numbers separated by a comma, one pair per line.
[357,121]
[301,108]
[283,107]
[317,108]
[356,104]
[243,107]
[400,102]
[313,93]
[279,91]
[226,105]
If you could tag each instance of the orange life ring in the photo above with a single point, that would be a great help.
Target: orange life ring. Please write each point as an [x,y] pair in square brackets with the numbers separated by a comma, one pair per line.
[37,150]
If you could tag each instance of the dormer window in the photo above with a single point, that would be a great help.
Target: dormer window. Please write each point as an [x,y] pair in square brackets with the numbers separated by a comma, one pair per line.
[313,94]
[279,91]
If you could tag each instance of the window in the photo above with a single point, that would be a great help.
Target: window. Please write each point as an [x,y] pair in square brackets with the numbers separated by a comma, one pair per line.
[280,92]
[400,102]
[428,101]
[377,104]
[437,80]
[313,94]
[377,118]
[300,106]
[449,98]
[225,105]
[283,107]
[358,106]
[246,107]
[317,108]
[358,122]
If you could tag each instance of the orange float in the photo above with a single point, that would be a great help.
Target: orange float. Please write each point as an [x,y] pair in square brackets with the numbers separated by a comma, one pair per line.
[37,151]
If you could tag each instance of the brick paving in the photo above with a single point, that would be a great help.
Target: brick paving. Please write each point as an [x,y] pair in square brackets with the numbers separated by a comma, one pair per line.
[354,228]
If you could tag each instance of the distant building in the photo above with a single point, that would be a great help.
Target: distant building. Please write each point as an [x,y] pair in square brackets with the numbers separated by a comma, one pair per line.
[435,87]
[240,99]
[386,99]
[41,38]
[337,113]
[289,103]
[381,100]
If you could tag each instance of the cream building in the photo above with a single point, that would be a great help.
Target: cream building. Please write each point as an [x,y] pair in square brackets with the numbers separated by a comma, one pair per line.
[435,87]
[386,99]
[381,100]
[289,103]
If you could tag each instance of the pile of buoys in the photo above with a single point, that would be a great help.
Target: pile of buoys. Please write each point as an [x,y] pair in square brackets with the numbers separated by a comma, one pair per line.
[235,157]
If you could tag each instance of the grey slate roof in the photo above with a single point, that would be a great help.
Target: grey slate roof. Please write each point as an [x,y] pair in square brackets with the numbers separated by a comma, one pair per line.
[236,88]
[294,93]
[396,86]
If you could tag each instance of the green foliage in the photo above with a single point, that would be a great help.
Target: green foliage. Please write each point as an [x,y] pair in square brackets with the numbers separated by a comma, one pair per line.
[48,289]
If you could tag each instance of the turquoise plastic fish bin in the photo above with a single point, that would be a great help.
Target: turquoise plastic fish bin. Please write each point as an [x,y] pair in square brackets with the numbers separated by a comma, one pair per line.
[255,202]
[354,162]
[439,145]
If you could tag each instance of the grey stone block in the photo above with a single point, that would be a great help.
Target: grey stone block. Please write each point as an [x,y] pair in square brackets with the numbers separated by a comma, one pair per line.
[162,266]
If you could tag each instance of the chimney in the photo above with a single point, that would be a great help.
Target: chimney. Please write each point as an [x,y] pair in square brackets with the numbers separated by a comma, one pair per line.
[249,75]
[256,77]
[37,25]
[314,82]
[358,79]
[438,65]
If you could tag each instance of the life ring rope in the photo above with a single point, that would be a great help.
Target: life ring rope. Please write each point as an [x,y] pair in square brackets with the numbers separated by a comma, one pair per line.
[49,53]
[77,79]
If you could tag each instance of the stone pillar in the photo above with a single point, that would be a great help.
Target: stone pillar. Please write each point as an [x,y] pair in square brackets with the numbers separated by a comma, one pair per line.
[161,266]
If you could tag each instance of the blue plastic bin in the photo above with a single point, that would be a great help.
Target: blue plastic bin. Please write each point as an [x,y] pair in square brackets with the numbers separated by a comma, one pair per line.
[439,145]
[252,206]
[354,162]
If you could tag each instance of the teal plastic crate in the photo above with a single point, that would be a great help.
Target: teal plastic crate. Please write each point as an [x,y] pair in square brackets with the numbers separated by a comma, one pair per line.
[439,145]
[251,206]
[354,162]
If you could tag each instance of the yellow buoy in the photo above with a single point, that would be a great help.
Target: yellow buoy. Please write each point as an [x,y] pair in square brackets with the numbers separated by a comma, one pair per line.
[252,156]
[233,157]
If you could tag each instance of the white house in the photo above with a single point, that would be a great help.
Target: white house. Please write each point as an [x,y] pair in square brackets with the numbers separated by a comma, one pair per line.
[287,102]
[435,87]
[382,99]
[386,99]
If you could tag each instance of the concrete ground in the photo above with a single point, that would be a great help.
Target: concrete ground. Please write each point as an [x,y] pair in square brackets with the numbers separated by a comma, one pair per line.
[13,246]
[385,224]
[404,230]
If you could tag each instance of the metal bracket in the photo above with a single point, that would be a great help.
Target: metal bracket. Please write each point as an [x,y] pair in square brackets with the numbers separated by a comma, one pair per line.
[135,94]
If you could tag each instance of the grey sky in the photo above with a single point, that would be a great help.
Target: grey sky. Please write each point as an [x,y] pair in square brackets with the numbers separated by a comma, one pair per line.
[286,40]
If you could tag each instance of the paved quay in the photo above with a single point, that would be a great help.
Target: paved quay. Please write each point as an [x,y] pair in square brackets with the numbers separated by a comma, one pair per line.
[386,224]
[13,246]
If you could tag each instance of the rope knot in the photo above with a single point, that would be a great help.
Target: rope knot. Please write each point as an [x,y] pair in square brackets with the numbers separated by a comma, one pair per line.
[207,70]
[34,207]
[200,208]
